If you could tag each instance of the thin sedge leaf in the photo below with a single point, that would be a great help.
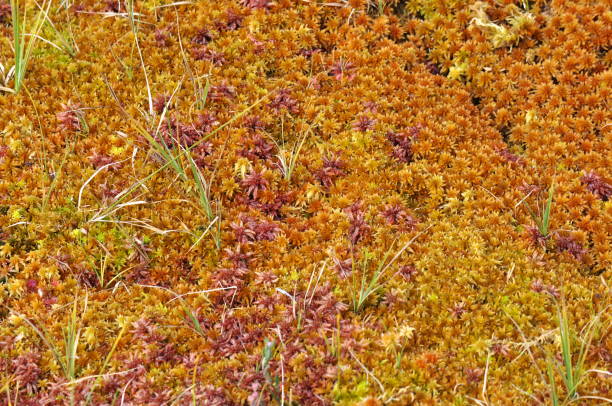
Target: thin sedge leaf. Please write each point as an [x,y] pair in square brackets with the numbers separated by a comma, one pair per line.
[546,217]
[200,185]
[534,217]
[584,348]
[553,386]
[205,92]
[194,320]
[18,42]
[566,352]
[374,286]
[203,234]
[169,156]
[43,336]
[66,46]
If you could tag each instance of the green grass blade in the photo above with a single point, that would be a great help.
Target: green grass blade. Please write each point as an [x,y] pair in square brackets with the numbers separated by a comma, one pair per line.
[566,352]
[194,319]
[164,150]
[584,348]
[373,286]
[547,209]
[362,288]
[553,386]
[533,216]
[66,46]
[201,186]
[43,336]
[18,43]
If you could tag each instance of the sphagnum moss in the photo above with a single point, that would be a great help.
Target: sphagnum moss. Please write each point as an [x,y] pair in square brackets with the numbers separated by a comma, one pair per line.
[419,115]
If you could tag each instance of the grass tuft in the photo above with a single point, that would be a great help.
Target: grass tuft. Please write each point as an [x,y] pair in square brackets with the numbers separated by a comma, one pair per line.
[24,41]
[368,288]
[571,367]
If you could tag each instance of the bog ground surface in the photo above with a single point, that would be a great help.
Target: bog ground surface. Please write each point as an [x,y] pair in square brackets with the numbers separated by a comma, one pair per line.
[298,202]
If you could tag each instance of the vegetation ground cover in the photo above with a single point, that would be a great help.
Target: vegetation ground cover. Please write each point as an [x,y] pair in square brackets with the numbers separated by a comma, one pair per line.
[257,202]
